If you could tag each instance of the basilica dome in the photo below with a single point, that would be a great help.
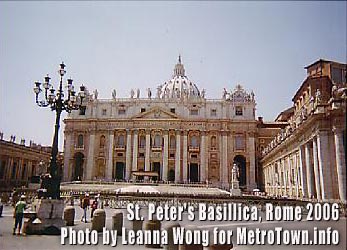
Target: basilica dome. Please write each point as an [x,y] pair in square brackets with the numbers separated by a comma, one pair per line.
[179,86]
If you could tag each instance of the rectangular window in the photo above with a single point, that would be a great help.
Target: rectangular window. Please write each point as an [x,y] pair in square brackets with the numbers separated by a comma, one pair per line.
[141,155]
[143,110]
[172,155]
[238,110]
[194,112]
[213,112]
[172,110]
[104,111]
[121,112]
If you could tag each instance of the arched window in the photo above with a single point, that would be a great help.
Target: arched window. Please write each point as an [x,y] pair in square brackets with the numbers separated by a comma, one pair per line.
[157,141]
[213,142]
[102,141]
[194,141]
[80,141]
[172,142]
[142,141]
[121,140]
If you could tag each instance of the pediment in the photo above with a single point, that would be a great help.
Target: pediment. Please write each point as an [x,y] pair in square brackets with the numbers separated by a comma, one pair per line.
[156,113]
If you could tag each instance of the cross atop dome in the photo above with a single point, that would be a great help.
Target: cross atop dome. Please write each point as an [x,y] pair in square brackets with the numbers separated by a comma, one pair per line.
[179,68]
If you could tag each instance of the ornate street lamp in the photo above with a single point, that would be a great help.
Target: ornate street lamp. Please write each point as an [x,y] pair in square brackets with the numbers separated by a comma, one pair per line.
[58,103]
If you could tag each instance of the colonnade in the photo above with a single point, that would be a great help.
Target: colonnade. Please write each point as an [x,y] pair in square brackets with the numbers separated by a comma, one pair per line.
[315,169]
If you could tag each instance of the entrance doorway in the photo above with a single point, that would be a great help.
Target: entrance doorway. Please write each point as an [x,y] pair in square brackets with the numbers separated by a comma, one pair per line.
[78,167]
[240,161]
[119,171]
[193,172]
[156,168]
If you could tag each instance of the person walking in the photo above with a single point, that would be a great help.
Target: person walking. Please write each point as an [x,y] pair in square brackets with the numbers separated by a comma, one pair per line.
[94,206]
[85,205]
[18,214]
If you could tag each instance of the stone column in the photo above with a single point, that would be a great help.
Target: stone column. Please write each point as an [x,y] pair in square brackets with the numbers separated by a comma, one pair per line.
[302,167]
[148,152]
[185,156]
[224,161]
[251,151]
[67,156]
[340,163]
[128,156]
[310,179]
[316,169]
[297,175]
[280,177]
[290,177]
[30,167]
[109,166]
[135,150]
[285,179]
[324,165]
[203,165]
[165,156]
[90,157]
[178,157]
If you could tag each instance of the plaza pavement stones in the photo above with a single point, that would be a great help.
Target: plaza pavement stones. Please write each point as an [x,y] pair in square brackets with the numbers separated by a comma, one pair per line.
[43,242]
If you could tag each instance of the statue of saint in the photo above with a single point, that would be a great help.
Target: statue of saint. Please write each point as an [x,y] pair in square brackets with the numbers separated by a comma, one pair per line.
[225,94]
[132,93]
[114,94]
[149,93]
[96,93]
[235,173]
[138,93]
[203,92]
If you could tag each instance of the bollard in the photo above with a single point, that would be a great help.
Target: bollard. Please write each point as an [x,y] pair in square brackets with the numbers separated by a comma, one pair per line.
[69,215]
[117,222]
[99,219]
[153,225]
[137,225]
[169,228]
[221,247]
[191,246]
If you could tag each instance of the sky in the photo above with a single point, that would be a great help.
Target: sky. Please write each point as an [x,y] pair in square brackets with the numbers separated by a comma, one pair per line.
[109,45]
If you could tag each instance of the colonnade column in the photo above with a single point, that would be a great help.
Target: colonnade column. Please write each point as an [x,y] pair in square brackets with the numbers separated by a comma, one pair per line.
[148,152]
[185,156]
[90,157]
[224,161]
[128,156]
[324,165]
[297,181]
[203,165]
[178,157]
[109,166]
[67,156]
[285,180]
[251,150]
[165,156]
[135,150]
[316,169]
[290,177]
[302,167]
[340,163]
[308,170]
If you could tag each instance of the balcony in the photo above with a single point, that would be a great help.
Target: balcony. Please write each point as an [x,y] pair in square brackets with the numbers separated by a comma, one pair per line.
[119,147]
[194,148]
[79,147]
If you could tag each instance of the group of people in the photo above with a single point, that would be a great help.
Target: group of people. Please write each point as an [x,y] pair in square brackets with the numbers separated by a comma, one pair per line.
[85,203]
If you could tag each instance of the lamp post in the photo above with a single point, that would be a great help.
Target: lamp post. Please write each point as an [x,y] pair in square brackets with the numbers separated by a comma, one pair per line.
[58,103]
